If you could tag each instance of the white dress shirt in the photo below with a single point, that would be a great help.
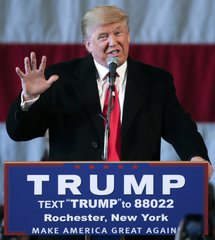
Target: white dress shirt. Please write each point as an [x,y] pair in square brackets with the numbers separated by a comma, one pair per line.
[120,82]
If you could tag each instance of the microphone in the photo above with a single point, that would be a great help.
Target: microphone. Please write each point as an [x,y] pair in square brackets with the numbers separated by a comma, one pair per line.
[112,63]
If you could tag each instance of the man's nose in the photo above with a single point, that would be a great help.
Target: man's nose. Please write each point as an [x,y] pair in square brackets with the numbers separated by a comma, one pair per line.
[112,40]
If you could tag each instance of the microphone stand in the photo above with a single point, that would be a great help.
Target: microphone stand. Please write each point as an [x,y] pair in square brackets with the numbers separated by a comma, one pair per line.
[112,76]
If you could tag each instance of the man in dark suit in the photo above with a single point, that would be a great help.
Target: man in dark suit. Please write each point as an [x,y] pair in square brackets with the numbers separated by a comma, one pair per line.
[68,98]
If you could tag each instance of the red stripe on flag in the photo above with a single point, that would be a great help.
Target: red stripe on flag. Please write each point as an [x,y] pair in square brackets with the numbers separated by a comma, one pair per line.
[191,65]
[12,55]
[193,68]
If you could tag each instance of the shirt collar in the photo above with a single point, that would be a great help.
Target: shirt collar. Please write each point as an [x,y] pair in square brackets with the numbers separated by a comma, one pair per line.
[103,71]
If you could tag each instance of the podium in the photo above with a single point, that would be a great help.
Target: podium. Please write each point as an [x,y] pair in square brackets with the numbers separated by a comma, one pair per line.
[103,198]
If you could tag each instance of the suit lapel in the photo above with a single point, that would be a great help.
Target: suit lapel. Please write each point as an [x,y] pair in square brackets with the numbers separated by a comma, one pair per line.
[86,87]
[135,96]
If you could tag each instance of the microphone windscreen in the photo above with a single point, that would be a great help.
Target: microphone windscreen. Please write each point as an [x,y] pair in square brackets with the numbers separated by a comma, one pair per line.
[114,60]
[112,63]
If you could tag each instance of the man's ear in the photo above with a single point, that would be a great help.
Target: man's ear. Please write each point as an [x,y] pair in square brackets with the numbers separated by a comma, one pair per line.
[87,45]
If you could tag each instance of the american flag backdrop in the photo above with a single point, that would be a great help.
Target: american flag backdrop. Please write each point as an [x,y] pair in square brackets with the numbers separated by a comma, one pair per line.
[178,36]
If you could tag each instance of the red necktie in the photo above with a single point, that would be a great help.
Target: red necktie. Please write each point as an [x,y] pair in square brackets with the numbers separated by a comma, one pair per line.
[114,141]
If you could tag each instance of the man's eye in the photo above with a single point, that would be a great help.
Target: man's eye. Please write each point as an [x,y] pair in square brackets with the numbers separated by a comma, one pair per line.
[119,33]
[103,36]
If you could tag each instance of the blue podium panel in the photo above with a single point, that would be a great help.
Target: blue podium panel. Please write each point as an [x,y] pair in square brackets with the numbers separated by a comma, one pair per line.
[101,198]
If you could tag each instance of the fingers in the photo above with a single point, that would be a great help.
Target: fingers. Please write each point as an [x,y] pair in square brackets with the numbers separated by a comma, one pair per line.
[27,64]
[33,61]
[210,170]
[30,64]
[210,167]
[42,64]
[19,72]
[52,79]
[33,78]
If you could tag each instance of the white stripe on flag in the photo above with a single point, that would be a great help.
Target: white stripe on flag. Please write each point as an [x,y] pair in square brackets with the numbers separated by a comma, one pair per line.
[33,150]
[151,21]
[207,130]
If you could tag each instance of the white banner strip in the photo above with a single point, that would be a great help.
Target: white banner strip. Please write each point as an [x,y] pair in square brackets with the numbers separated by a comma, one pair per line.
[151,21]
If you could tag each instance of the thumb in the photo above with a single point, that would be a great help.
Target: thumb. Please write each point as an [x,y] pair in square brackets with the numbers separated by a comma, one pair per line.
[52,79]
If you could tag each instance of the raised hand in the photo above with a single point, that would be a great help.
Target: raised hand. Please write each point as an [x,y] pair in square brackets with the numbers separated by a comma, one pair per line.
[33,80]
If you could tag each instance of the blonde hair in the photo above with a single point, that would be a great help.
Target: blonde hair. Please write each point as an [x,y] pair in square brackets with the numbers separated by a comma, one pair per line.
[102,15]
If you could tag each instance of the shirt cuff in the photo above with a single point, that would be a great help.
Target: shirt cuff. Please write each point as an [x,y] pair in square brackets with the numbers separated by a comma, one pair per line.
[25,105]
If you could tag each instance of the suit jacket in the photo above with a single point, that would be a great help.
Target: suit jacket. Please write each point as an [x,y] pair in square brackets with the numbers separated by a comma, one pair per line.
[71,110]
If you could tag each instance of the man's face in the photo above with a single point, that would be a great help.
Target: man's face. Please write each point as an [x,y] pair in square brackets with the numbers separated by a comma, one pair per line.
[109,40]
